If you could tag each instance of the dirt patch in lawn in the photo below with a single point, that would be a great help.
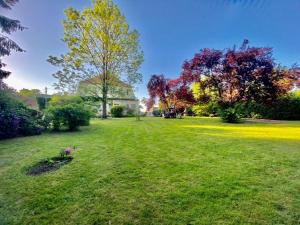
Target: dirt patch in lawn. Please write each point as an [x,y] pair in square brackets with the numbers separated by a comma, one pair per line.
[48,165]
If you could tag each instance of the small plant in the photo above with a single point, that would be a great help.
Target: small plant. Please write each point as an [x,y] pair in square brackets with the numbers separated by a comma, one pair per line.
[49,161]
[66,152]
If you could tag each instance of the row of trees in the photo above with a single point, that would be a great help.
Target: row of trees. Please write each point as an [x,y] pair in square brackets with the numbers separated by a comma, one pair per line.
[234,75]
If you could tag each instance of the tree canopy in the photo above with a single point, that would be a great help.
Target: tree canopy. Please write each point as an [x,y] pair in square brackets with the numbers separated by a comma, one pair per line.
[171,93]
[100,40]
[29,93]
[243,74]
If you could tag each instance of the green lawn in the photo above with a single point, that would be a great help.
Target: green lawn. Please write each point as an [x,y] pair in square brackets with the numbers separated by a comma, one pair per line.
[157,171]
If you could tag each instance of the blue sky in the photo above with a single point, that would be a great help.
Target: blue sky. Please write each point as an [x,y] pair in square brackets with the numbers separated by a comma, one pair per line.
[171,31]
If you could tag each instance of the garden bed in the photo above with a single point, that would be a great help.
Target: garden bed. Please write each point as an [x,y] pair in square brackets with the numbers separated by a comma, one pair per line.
[48,165]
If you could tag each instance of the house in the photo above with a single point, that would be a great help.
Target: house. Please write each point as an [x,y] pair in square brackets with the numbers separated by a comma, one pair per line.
[120,93]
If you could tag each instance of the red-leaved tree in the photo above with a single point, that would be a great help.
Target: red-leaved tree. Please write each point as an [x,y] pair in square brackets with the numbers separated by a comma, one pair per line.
[173,94]
[240,75]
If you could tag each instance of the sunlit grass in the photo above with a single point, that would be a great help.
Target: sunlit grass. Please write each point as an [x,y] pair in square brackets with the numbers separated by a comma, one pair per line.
[281,132]
[157,171]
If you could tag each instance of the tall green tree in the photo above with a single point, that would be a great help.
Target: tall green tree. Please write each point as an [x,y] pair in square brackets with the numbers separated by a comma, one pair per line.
[7,45]
[99,39]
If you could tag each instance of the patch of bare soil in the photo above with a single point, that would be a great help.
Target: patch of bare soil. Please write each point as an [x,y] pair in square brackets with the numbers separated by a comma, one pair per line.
[48,165]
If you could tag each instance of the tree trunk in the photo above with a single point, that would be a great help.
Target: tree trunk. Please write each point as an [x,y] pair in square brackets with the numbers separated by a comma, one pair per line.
[104,88]
[104,102]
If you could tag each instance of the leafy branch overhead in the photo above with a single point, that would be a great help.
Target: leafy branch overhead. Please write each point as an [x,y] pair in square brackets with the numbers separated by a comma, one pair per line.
[68,76]
[7,45]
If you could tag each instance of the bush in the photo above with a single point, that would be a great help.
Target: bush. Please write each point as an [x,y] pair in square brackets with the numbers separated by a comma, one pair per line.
[212,109]
[208,109]
[231,114]
[72,116]
[200,110]
[117,111]
[156,112]
[60,100]
[285,108]
[16,119]
[189,111]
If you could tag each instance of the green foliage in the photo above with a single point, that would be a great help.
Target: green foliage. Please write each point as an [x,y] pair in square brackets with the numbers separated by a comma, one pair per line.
[189,111]
[200,110]
[16,119]
[196,90]
[295,94]
[68,76]
[7,26]
[230,114]
[208,109]
[284,108]
[29,93]
[157,112]
[202,93]
[60,100]
[71,115]
[42,102]
[117,111]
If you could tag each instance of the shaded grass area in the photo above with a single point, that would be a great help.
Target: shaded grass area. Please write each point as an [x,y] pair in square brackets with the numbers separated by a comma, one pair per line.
[157,171]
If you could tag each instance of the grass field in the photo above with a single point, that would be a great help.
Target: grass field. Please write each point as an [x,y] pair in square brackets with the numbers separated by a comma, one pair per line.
[157,171]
